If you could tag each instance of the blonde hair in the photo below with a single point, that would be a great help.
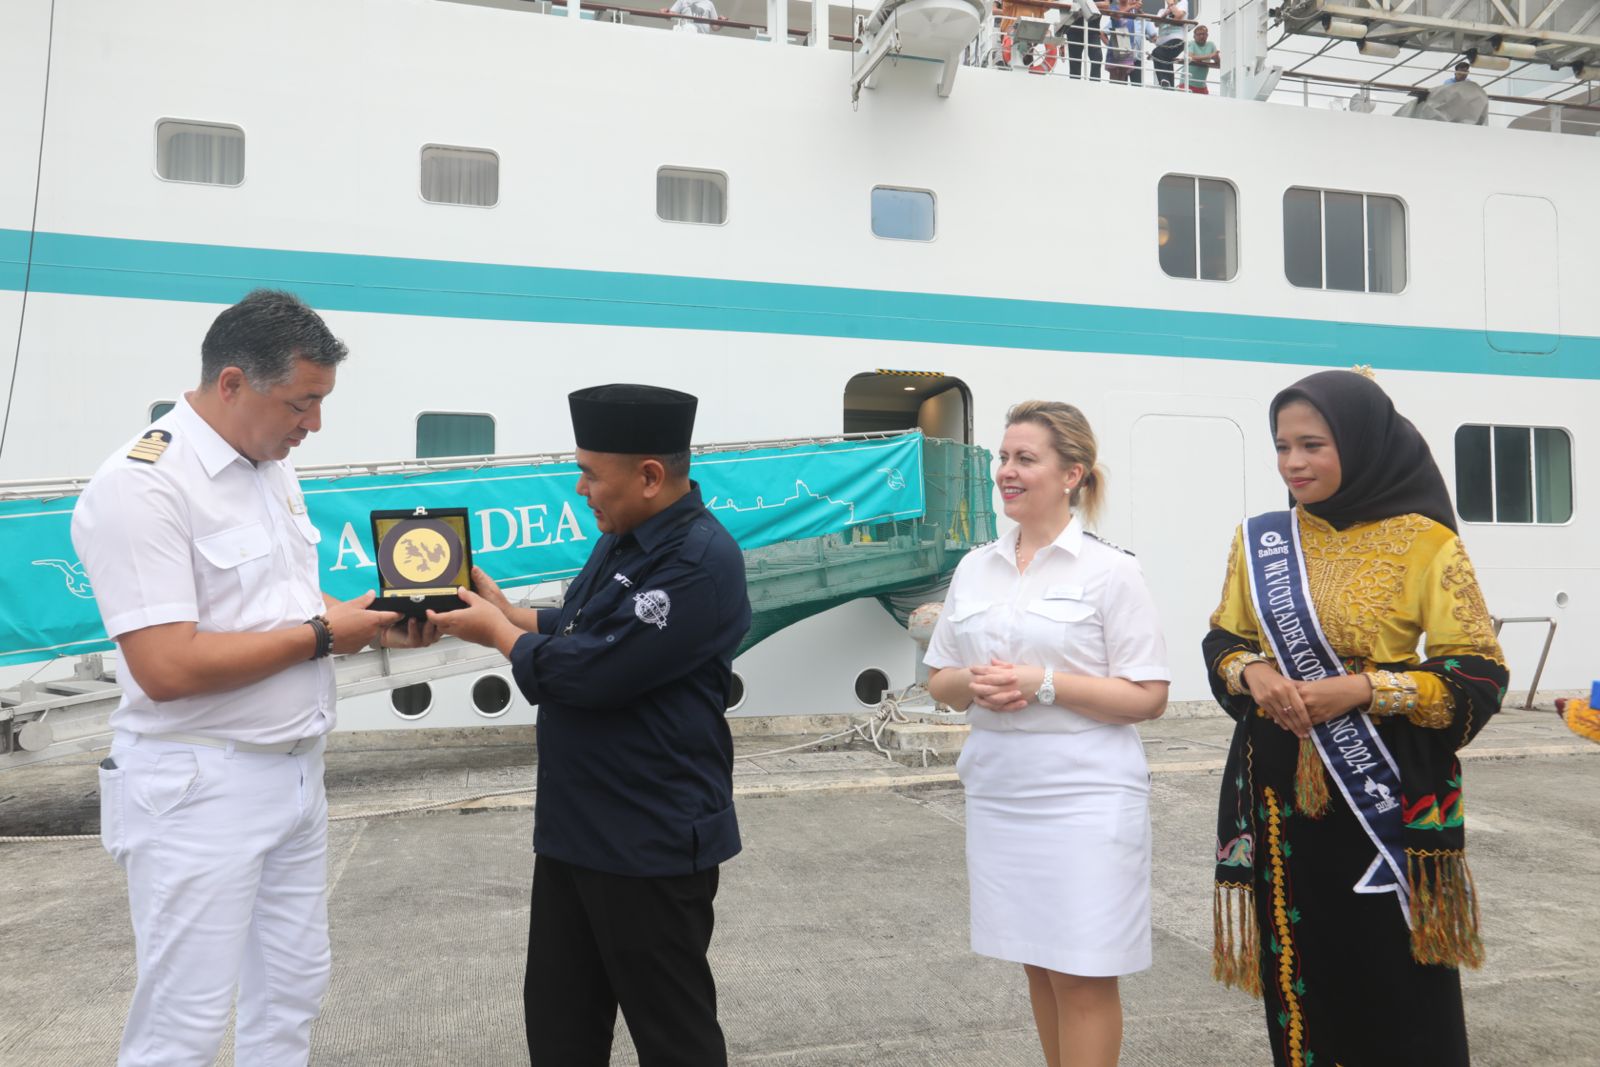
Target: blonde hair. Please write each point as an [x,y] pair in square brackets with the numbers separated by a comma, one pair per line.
[1074,443]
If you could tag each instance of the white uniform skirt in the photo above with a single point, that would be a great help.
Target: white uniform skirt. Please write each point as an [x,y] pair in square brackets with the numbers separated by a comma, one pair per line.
[1058,848]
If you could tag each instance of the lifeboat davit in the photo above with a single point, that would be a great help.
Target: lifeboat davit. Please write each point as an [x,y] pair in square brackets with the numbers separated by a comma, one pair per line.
[937,30]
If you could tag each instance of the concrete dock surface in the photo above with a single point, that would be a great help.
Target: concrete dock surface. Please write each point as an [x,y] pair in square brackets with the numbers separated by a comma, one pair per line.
[841,928]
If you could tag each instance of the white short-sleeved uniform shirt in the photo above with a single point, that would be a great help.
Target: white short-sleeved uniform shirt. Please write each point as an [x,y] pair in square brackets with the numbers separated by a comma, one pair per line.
[1081,607]
[203,535]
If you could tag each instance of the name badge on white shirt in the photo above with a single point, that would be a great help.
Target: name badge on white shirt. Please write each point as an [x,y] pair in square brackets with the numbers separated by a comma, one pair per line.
[1064,592]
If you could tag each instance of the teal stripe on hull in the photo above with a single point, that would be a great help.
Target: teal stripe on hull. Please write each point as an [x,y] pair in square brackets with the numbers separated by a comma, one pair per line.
[158,270]
[13,260]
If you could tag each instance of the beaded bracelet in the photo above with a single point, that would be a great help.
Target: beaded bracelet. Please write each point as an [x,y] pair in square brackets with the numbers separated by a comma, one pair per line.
[324,632]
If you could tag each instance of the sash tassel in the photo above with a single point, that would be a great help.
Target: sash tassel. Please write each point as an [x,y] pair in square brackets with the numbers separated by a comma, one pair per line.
[1235,945]
[1444,909]
[1311,782]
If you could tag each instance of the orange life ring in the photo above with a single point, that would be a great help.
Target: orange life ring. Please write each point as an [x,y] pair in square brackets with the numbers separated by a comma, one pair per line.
[1045,55]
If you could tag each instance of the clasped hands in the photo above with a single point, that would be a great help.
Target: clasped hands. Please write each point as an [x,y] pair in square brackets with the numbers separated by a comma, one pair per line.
[355,626]
[1002,686]
[486,620]
[1298,706]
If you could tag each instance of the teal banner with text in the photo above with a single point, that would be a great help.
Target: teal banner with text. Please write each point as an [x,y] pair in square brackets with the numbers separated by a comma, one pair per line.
[528,525]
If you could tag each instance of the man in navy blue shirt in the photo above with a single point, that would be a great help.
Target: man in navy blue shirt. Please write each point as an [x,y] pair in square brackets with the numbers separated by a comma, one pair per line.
[634,807]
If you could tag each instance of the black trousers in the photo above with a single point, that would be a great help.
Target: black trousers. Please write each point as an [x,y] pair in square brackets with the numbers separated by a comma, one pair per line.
[1165,56]
[598,941]
[1076,35]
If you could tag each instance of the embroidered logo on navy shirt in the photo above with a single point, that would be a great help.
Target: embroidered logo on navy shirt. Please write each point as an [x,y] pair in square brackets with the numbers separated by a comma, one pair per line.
[652,606]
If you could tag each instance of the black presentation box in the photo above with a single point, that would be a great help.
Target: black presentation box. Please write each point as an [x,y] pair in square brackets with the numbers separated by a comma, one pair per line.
[424,555]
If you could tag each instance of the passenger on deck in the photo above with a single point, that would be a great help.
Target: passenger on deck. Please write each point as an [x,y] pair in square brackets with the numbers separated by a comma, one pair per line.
[698,9]
[1169,41]
[1463,68]
[1126,38]
[1081,33]
[1203,55]
[1051,642]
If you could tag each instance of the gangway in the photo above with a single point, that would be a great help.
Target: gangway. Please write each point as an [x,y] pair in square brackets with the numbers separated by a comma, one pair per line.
[789,580]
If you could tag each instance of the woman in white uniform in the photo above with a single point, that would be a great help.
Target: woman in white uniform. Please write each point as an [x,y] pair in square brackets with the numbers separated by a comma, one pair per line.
[1050,639]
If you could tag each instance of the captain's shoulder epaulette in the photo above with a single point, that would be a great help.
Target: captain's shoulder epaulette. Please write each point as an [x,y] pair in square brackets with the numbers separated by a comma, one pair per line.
[1108,544]
[150,447]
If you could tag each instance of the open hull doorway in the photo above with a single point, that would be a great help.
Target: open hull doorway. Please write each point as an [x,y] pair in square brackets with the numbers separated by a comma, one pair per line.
[885,401]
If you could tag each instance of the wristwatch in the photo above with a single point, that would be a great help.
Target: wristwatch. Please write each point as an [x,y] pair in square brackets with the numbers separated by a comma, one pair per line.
[1047,688]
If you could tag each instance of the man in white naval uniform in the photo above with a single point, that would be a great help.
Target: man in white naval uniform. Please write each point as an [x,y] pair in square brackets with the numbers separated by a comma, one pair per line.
[204,565]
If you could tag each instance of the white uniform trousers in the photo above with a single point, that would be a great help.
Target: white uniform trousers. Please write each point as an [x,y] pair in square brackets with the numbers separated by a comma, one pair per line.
[227,860]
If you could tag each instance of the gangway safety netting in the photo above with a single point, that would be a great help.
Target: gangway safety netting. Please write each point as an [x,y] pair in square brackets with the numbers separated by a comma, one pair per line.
[903,562]
[822,522]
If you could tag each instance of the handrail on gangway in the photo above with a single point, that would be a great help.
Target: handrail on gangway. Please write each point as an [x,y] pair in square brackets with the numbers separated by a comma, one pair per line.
[1550,635]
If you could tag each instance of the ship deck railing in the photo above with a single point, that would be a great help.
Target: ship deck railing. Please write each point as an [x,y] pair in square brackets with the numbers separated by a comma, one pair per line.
[1316,72]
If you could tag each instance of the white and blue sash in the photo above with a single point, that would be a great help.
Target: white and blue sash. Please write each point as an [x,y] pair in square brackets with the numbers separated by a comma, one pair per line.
[1350,747]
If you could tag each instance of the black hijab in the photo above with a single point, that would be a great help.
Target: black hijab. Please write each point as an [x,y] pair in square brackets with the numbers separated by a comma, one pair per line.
[1386,467]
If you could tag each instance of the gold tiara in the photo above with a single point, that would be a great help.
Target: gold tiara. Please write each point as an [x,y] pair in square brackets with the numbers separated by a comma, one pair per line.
[1365,370]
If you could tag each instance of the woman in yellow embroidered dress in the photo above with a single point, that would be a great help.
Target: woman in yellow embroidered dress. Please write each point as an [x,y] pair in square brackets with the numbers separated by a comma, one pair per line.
[1344,980]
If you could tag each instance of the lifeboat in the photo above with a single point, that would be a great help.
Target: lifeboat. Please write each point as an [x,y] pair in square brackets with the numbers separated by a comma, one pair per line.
[936,30]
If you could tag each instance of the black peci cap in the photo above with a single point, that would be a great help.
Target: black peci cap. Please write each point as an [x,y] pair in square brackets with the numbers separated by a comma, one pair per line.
[636,419]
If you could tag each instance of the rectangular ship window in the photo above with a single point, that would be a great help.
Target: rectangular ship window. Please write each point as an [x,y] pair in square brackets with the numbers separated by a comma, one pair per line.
[467,176]
[1354,242]
[201,152]
[444,433]
[1514,474]
[684,194]
[902,214]
[1198,227]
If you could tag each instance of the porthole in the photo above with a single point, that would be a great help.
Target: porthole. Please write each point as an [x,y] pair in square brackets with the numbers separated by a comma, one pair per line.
[412,701]
[491,696]
[736,692]
[871,684]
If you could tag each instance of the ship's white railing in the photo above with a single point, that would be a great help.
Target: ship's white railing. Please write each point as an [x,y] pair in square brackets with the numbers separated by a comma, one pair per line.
[1382,68]
[1554,115]
[775,28]
[1262,56]
[1046,37]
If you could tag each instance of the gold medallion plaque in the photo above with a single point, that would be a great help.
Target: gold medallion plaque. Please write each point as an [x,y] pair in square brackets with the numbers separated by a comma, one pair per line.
[424,555]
